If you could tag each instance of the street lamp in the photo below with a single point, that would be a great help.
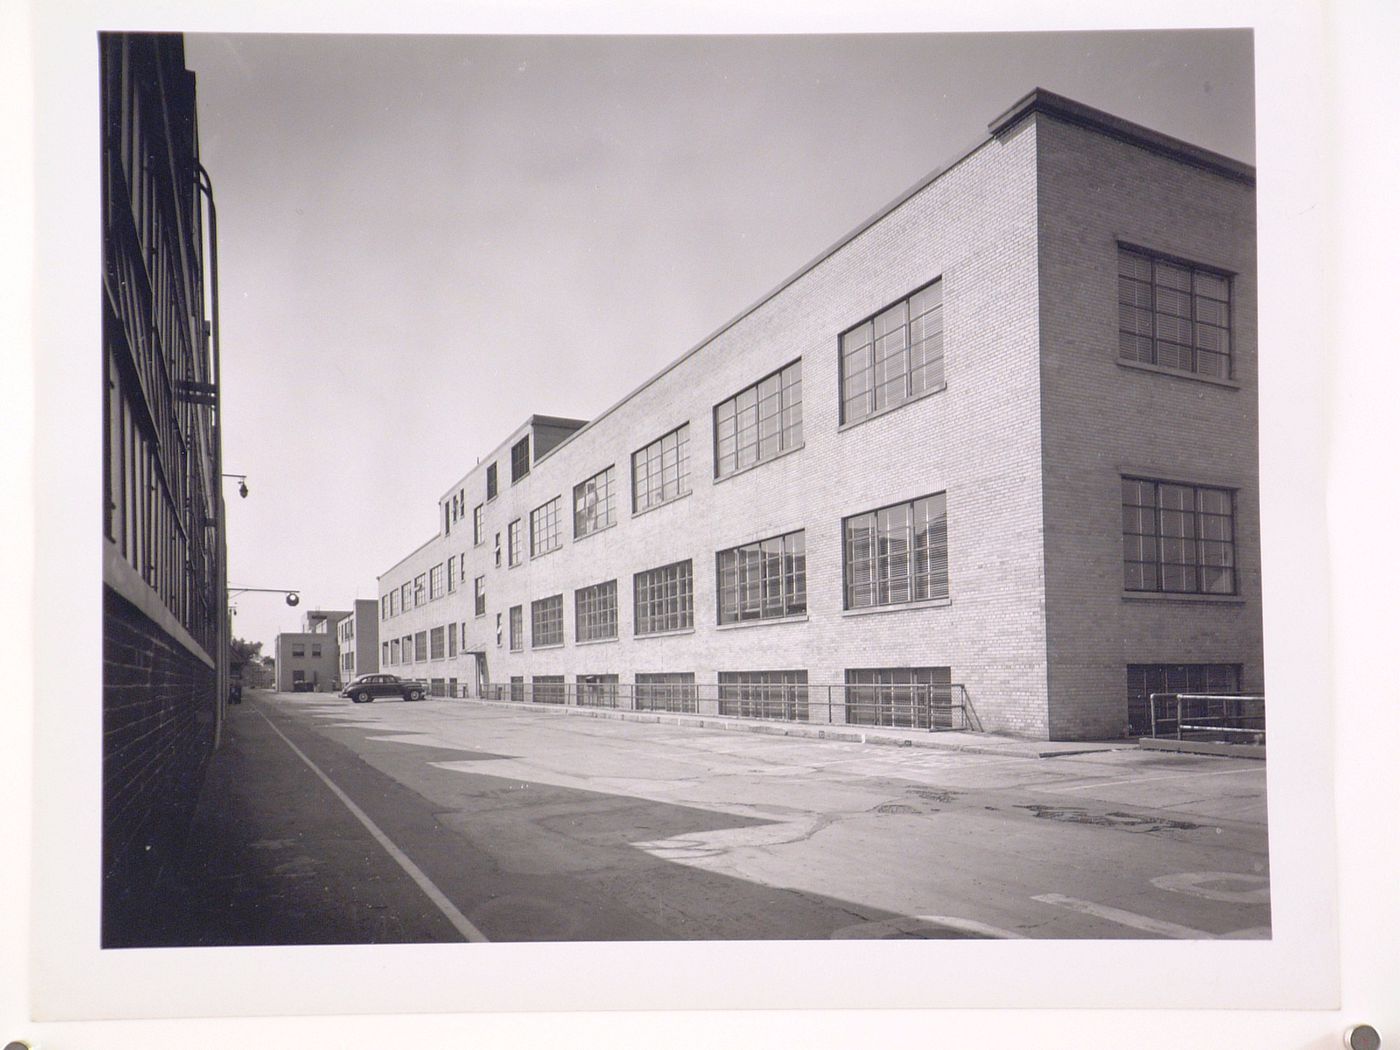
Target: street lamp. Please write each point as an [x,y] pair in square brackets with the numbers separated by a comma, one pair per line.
[242,483]
[293,598]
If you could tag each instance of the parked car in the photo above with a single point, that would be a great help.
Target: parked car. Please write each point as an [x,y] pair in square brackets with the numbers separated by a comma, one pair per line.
[365,688]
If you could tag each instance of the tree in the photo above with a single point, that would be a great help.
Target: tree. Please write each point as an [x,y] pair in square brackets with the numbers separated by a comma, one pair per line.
[241,652]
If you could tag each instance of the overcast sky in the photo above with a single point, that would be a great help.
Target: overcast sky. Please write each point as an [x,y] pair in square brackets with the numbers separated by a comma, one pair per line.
[423,240]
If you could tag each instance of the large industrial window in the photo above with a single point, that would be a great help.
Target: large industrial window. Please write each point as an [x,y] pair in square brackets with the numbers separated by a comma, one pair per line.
[451,573]
[405,597]
[897,554]
[481,596]
[544,528]
[452,639]
[594,504]
[394,651]
[1146,679]
[661,471]
[420,594]
[547,688]
[595,612]
[420,646]
[491,482]
[667,692]
[663,599]
[759,422]
[393,603]
[520,459]
[435,582]
[437,642]
[478,520]
[1173,314]
[764,694]
[547,621]
[596,690]
[1178,539]
[909,697]
[893,357]
[513,543]
[383,606]
[517,628]
[764,580]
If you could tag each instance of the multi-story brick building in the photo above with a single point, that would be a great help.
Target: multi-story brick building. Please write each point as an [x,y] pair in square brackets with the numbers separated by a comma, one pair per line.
[165,636]
[999,444]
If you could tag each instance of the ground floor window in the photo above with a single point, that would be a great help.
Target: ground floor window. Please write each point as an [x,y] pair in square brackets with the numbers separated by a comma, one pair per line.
[517,688]
[667,692]
[547,688]
[904,697]
[452,687]
[764,694]
[597,690]
[1146,679]
[437,687]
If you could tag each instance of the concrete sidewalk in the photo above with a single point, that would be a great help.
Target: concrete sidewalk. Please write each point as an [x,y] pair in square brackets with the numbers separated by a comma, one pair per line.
[941,740]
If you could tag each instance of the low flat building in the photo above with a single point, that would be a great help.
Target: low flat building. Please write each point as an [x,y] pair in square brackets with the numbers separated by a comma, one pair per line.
[308,660]
[357,636]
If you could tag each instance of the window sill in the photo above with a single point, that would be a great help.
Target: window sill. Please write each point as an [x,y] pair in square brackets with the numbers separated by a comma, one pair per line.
[770,622]
[664,634]
[892,408]
[1177,373]
[598,641]
[545,554]
[664,503]
[761,463]
[1171,596]
[928,603]
[514,650]
[587,535]
[551,645]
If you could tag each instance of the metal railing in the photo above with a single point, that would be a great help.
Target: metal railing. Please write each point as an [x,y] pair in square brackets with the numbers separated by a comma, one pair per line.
[1193,716]
[924,707]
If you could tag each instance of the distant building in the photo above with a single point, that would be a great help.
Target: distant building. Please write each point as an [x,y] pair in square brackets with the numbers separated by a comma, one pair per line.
[358,638]
[308,660]
[994,454]
[165,633]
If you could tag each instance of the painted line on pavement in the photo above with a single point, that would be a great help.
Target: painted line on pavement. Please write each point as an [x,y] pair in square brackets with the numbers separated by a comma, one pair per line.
[449,910]
[1145,780]
[1125,918]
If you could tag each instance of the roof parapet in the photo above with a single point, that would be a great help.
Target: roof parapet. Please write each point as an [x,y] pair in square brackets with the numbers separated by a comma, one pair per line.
[1052,105]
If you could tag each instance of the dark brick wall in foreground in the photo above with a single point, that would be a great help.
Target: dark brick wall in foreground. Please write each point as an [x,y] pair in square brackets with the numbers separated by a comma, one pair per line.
[158,711]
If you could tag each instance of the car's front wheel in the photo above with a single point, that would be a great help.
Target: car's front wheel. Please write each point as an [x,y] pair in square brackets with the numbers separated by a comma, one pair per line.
[362,697]
[415,694]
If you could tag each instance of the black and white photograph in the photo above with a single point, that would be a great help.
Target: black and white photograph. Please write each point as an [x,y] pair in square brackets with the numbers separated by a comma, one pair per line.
[619,519]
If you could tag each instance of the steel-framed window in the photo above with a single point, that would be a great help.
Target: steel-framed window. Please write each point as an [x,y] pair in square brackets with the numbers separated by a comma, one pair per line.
[1173,314]
[452,639]
[759,422]
[491,482]
[451,573]
[764,580]
[897,554]
[764,694]
[387,647]
[547,689]
[520,459]
[663,599]
[435,582]
[1146,679]
[420,646]
[393,603]
[405,597]
[478,519]
[596,690]
[670,691]
[595,612]
[899,696]
[544,528]
[594,503]
[661,470]
[894,356]
[513,543]
[547,621]
[420,589]
[437,643]
[517,628]
[480,591]
[1178,538]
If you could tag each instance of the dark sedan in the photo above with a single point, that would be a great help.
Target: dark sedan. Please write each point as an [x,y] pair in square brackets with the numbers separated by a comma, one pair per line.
[369,687]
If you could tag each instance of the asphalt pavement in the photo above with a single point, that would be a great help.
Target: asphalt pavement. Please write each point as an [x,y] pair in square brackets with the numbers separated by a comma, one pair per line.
[323,822]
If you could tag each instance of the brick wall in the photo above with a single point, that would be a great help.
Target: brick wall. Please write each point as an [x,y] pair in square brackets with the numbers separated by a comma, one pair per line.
[978,440]
[158,711]
[1104,419]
